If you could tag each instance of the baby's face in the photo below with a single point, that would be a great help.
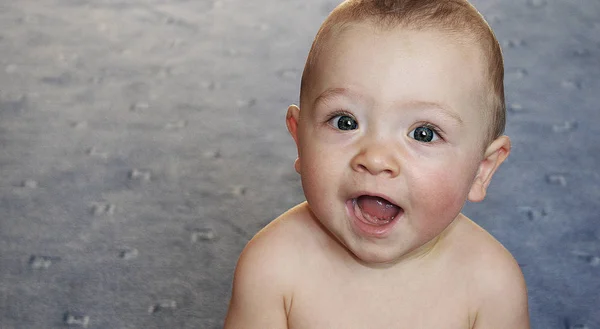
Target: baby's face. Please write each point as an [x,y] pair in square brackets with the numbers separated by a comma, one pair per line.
[390,138]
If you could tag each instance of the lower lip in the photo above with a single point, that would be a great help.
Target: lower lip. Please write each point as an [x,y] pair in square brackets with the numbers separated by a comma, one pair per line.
[364,228]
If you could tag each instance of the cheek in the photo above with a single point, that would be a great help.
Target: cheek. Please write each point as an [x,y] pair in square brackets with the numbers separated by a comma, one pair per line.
[320,186]
[319,174]
[443,192]
[440,196]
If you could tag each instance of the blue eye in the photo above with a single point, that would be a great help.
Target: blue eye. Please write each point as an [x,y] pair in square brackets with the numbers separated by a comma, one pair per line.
[424,134]
[344,122]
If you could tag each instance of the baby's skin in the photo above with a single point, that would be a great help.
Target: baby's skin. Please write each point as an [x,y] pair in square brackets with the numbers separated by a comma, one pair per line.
[389,149]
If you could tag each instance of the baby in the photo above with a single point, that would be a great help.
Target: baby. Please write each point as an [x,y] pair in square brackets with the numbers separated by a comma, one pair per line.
[400,121]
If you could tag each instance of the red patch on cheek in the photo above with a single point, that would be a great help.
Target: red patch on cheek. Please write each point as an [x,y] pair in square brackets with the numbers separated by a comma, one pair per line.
[436,200]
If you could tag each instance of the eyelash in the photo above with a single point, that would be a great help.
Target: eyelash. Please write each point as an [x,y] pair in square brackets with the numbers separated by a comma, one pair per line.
[338,113]
[435,129]
[431,126]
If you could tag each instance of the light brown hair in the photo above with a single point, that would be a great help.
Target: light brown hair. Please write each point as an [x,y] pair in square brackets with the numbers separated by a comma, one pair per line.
[456,17]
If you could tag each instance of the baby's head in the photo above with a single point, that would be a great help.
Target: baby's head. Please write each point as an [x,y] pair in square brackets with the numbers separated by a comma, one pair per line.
[458,19]
[400,121]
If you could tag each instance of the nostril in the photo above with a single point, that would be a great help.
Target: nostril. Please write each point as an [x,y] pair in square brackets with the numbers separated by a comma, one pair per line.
[362,168]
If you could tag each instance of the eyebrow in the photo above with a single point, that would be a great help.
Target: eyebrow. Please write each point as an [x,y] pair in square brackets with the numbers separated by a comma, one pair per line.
[443,108]
[333,93]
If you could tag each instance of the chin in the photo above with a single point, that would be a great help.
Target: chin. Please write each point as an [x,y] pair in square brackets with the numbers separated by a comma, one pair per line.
[377,261]
[377,256]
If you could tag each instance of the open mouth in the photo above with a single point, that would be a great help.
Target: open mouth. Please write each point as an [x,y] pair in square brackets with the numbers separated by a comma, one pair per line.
[375,210]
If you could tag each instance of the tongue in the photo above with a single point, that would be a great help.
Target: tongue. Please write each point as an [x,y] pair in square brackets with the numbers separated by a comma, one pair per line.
[377,207]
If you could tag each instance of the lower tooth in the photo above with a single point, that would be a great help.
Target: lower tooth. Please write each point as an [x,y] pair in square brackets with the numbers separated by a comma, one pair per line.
[369,218]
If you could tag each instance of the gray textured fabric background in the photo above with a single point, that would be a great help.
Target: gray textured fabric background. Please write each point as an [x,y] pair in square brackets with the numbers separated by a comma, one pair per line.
[142,144]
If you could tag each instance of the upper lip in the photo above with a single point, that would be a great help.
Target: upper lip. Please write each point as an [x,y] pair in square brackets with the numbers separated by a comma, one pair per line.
[379,195]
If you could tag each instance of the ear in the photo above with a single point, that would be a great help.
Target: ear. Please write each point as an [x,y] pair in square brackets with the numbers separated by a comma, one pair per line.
[494,155]
[291,121]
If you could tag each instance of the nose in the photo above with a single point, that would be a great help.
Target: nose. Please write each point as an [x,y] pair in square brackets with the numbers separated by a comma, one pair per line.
[377,158]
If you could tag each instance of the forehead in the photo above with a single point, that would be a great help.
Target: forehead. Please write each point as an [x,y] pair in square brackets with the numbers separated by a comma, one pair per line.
[401,65]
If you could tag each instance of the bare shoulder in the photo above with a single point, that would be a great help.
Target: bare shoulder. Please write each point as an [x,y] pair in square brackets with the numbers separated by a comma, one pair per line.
[282,243]
[266,271]
[497,283]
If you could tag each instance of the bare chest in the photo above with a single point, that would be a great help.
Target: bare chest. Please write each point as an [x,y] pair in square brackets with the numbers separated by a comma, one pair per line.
[343,305]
